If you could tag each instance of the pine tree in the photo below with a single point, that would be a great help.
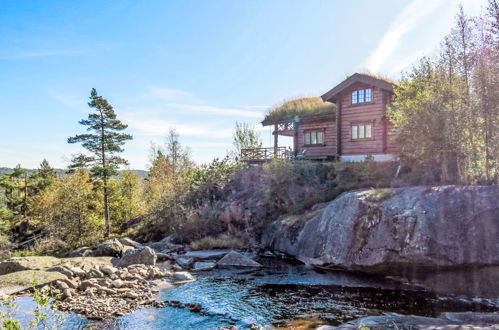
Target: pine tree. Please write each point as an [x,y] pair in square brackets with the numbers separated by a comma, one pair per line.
[103,141]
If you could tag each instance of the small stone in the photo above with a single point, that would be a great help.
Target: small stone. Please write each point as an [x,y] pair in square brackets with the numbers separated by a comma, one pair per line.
[95,273]
[130,294]
[62,285]
[117,283]
[78,271]
[108,269]
[67,293]
[71,283]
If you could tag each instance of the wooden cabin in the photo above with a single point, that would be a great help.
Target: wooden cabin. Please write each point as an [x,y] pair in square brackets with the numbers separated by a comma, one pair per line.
[353,127]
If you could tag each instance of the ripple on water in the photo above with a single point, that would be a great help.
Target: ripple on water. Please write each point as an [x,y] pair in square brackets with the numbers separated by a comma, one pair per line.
[282,294]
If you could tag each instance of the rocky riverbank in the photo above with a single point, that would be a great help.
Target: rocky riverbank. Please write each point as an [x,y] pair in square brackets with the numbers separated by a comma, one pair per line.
[117,277]
[404,232]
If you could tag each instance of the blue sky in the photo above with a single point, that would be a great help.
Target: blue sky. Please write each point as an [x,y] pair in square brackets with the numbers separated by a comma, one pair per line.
[198,66]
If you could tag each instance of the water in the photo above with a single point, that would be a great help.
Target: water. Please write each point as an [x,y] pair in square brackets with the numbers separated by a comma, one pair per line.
[283,293]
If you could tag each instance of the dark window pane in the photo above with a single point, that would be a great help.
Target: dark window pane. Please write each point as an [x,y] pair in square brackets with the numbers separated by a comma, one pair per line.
[354,97]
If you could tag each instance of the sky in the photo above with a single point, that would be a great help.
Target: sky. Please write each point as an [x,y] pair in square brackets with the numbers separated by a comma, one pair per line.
[197,66]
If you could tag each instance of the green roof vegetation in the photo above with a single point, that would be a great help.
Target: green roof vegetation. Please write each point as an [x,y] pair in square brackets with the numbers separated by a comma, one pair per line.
[299,107]
[380,77]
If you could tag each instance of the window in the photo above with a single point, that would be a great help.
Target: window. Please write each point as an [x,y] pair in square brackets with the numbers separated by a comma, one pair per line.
[362,96]
[314,137]
[362,131]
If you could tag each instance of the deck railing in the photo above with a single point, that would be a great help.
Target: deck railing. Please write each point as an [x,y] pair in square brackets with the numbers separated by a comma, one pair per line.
[264,154]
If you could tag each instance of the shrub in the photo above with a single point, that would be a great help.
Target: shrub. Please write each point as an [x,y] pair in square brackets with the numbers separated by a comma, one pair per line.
[223,241]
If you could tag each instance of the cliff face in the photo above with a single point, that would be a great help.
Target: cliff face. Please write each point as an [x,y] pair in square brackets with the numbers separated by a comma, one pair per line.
[396,231]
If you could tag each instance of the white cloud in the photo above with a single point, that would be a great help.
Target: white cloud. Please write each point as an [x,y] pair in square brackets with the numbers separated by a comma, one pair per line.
[197,109]
[145,124]
[404,23]
[31,54]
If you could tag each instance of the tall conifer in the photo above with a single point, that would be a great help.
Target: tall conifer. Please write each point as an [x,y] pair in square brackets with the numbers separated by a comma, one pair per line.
[104,140]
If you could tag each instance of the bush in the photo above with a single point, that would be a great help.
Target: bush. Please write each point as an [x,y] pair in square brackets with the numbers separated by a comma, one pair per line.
[223,241]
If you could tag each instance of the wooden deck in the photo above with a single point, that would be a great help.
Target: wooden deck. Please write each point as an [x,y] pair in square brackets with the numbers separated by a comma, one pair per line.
[262,155]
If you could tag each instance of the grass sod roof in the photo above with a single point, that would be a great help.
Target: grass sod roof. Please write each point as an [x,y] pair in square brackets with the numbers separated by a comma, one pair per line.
[289,109]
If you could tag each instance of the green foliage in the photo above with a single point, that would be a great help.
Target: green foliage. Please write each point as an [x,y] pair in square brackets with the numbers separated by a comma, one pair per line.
[127,198]
[45,314]
[446,109]
[299,107]
[70,209]
[292,187]
[103,143]
[167,187]
[245,137]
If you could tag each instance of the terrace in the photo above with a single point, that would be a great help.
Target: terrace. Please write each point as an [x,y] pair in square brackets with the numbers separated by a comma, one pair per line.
[286,119]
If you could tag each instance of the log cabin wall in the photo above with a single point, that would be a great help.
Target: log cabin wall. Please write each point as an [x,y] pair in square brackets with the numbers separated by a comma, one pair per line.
[374,113]
[328,149]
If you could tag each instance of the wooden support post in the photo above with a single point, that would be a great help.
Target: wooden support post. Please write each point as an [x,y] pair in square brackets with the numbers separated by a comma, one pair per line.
[295,135]
[338,125]
[276,140]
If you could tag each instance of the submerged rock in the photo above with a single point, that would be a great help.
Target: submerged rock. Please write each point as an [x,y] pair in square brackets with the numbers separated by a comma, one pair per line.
[183,276]
[237,259]
[467,320]
[204,265]
[400,230]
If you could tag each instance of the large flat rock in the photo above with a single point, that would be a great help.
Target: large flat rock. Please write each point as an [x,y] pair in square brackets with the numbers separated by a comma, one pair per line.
[207,254]
[23,263]
[46,262]
[21,280]
[403,231]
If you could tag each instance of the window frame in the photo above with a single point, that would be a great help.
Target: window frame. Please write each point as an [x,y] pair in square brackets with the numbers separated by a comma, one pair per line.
[357,126]
[355,96]
[309,132]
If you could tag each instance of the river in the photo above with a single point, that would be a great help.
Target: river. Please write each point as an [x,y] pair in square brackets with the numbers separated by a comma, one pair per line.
[279,295]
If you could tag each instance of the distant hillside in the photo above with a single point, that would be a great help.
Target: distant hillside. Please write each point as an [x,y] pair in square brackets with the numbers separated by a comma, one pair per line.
[5,170]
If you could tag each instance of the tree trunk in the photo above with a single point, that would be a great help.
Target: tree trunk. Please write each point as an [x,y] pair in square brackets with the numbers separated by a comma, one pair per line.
[106,211]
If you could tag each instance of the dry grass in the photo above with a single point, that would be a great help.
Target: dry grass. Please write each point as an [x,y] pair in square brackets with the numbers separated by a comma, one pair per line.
[299,107]
[223,241]
[377,194]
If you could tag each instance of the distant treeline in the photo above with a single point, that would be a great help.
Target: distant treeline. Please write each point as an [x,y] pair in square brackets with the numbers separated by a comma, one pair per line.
[60,171]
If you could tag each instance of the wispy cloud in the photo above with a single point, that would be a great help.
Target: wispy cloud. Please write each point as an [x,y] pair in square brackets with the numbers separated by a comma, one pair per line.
[46,53]
[405,22]
[69,100]
[144,124]
[208,109]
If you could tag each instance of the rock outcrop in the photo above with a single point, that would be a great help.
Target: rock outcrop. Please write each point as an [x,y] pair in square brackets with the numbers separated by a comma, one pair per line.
[143,256]
[396,230]
[112,248]
[444,321]
[235,259]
